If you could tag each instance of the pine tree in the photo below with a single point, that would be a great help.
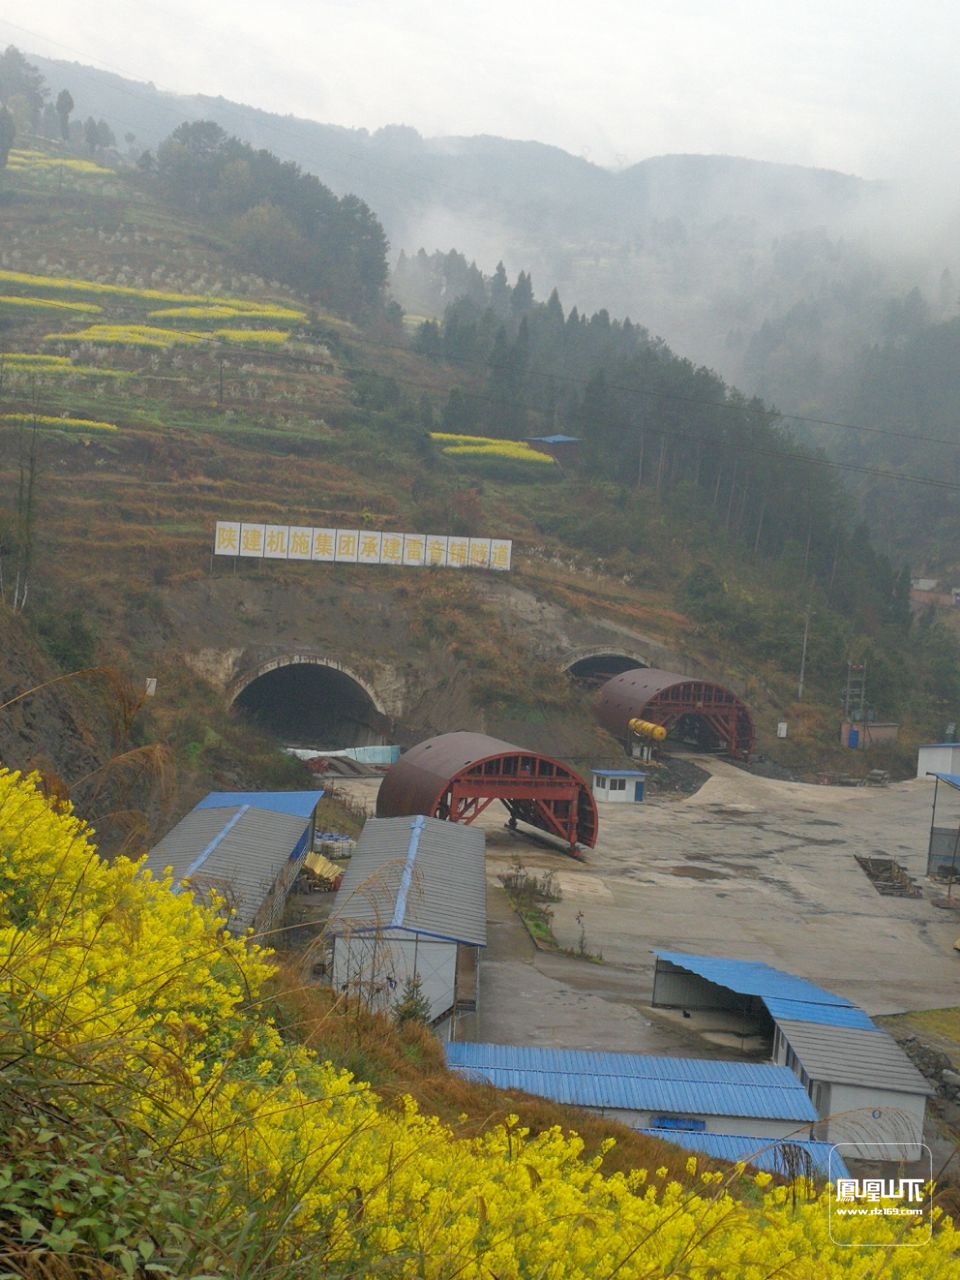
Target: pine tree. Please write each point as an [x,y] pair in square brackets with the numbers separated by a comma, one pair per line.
[413,1005]
[64,107]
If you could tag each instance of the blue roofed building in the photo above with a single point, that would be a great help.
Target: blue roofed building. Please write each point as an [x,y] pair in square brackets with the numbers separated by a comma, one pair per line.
[943,848]
[750,988]
[754,1100]
[412,905]
[565,450]
[243,847]
[298,804]
[868,1094]
[787,1157]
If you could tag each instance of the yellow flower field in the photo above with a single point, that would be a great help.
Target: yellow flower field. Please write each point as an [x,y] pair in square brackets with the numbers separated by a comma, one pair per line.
[49,304]
[130,335]
[230,311]
[61,424]
[65,284]
[23,161]
[28,360]
[126,1006]
[481,447]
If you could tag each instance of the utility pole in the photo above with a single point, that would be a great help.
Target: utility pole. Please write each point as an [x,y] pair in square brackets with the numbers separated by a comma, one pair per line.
[856,689]
[803,652]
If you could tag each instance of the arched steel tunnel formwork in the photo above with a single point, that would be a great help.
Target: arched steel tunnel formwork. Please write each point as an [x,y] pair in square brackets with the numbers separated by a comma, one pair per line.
[721,721]
[456,776]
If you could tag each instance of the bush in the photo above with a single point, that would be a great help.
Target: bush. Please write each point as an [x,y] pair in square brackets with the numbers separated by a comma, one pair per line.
[67,639]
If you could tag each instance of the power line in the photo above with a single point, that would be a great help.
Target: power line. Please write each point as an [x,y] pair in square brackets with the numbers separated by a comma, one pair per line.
[749,403]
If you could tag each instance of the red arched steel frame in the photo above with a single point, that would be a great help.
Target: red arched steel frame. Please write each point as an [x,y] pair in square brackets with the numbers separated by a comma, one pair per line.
[663,697]
[458,775]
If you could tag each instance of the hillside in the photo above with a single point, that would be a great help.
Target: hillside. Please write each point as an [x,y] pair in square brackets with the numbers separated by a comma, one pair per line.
[775,275]
[269,406]
[173,1104]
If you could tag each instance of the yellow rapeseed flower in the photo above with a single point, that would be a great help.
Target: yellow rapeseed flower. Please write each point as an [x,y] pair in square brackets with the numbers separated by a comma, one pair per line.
[143,1008]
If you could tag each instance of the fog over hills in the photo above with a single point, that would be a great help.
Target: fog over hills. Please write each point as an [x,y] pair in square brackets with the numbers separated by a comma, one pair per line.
[775,275]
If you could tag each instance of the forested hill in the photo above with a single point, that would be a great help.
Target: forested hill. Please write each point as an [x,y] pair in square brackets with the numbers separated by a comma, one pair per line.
[903,397]
[649,421]
[285,221]
[403,174]
[703,250]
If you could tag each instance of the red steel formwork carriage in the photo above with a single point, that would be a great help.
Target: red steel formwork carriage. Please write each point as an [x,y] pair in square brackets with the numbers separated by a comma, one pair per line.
[458,775]
[699,709]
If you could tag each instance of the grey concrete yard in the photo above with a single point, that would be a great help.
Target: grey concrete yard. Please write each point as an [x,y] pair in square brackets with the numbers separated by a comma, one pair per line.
[746,868]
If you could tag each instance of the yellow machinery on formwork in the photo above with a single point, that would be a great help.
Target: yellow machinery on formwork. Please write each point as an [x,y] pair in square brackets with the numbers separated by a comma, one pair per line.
[646,729]
[644,736]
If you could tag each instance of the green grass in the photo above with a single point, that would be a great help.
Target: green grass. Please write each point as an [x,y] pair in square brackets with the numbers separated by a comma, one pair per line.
[939,1028]
[537,924]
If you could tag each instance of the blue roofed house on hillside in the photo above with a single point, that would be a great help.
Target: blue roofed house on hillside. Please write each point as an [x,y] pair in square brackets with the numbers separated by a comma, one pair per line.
[244,846]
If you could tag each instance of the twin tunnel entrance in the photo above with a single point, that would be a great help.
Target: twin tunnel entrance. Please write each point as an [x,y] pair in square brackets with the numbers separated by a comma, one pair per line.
[307,701]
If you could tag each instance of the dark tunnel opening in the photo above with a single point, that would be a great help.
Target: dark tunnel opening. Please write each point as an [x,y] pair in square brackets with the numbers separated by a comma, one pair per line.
[592,672]
[310,705]
[696,733]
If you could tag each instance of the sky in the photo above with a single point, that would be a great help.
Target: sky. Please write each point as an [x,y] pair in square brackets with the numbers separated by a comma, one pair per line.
[868,87]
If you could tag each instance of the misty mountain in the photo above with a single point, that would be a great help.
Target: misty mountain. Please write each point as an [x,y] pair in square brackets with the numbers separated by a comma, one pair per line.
[775,275]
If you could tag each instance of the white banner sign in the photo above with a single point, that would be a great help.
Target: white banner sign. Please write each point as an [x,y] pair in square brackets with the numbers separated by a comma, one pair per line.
[360,546]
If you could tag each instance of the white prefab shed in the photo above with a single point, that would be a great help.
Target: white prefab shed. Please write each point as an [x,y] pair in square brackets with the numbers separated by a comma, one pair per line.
[863,1085]
[623,786]
[412,904]
[938,757]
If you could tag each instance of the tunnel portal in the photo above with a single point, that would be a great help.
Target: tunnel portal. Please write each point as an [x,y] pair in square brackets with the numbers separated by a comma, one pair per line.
[595,669]
[309,704]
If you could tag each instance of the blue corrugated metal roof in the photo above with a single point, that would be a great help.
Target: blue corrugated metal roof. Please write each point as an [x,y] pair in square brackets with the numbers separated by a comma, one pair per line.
[567,1061]
[298,804]
[952,779]
[638,1082]
[753,978]
[735,1148]
[826,1015]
